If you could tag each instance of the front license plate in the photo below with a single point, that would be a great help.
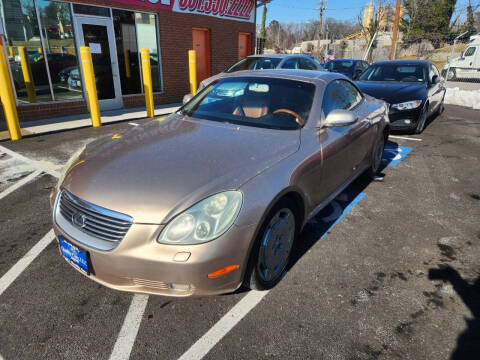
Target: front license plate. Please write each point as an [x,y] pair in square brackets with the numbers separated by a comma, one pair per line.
[74,255]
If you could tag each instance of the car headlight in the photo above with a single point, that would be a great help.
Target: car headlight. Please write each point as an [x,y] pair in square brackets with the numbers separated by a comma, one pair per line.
[67,166]
[409,105]
[205,221]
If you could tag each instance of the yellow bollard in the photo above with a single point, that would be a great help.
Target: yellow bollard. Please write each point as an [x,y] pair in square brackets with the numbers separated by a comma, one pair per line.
[90,85]
[8,99]
[147,81]
[192,66]
[128,71]
[11,51]
[27,74]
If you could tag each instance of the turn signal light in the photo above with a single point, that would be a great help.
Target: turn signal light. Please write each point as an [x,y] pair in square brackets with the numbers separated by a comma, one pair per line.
[222,271]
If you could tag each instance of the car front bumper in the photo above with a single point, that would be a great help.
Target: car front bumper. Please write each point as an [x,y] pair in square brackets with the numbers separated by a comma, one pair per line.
[140,264]
[404,120]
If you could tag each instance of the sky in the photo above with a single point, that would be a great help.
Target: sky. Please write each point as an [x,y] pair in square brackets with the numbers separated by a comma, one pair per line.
[302,10]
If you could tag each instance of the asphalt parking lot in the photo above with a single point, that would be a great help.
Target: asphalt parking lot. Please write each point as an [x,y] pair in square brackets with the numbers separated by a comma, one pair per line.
[390,270]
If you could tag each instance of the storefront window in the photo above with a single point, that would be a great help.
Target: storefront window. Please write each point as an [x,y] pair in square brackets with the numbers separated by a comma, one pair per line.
[147,39]
[21,30]
[91,10]
[127,51]
[60,48]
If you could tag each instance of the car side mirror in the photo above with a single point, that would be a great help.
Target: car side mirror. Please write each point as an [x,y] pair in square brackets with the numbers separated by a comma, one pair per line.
[435,79]
[461,55]
[187,98]
[340,118]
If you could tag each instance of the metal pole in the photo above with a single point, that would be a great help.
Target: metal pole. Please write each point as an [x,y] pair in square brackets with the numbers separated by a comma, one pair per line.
[27,74]
[320,25]
[7,97]
[147,82]
[192,66]
[90,85]
[395,30]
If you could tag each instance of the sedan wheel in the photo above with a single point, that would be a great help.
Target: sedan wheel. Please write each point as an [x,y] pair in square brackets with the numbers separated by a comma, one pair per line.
[422,120]
[377,156]
[273,249]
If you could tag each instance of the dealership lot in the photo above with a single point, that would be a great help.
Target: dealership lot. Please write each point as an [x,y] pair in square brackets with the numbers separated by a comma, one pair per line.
[363,282]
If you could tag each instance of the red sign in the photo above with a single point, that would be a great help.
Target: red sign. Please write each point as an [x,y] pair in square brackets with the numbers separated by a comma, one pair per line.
[152,4]
[242,10]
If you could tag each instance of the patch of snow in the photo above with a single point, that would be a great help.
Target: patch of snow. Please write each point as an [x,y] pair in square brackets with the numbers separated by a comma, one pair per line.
[468,98]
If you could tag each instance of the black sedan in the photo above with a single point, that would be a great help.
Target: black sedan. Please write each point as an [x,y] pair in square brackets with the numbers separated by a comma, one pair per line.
[413,88]
[351,68]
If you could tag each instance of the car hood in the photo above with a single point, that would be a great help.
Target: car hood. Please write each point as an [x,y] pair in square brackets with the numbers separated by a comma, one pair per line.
[157,170]
[393,92]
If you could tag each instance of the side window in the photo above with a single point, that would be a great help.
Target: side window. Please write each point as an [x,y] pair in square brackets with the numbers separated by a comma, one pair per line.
[291,63]
[365,65]
[469,52]
[307,64]
[340,94]
[354,97]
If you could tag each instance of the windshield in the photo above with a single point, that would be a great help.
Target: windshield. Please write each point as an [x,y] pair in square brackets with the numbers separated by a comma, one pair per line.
[259,102]
[341,66]
[254,63]
[395,72]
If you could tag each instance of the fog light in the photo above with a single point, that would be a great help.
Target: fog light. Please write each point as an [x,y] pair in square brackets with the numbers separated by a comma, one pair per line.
[407,121]
[179,287]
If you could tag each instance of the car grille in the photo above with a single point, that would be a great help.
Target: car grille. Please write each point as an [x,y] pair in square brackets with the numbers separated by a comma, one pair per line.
[94,220]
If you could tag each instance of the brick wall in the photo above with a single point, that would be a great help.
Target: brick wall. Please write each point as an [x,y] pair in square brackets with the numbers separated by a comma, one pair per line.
[175,41]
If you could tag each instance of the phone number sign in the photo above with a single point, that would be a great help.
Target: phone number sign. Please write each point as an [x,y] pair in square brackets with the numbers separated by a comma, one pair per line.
[242,10]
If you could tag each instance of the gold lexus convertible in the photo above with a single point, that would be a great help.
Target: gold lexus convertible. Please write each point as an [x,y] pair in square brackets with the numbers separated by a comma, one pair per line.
[216,195]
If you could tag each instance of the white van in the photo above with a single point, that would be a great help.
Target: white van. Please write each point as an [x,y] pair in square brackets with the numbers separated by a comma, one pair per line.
[467,66]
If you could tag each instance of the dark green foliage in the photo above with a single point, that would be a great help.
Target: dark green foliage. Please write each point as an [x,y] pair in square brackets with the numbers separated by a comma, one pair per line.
[427,20]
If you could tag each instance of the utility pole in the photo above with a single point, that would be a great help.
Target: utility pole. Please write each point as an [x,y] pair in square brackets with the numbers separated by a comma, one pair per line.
[321,8]
[263,34]
[395,30]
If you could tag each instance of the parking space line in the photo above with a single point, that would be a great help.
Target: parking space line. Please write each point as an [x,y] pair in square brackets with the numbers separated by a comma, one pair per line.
[46,166]
[15,271]
[128,333]
[20,183]
[404,138]
[201,348]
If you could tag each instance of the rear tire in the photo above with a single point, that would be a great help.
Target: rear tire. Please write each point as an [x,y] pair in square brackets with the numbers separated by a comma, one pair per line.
[273,247]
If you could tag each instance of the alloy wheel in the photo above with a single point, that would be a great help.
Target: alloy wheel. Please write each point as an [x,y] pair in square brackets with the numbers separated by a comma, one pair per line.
[276,245]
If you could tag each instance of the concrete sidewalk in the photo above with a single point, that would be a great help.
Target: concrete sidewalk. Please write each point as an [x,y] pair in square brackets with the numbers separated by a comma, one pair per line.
[83,120]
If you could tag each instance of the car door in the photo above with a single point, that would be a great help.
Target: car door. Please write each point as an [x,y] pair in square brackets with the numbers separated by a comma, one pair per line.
[344,148]
[466,64]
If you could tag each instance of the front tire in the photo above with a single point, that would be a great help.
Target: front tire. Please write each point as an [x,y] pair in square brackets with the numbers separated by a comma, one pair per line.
[422,120]
[273,247]
[452,74]
[377,156]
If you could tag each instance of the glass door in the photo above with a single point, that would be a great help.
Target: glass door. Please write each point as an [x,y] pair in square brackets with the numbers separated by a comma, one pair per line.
[98,34]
